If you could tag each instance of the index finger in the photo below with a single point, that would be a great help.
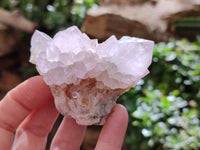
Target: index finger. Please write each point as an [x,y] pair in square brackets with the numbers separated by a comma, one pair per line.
[20,101]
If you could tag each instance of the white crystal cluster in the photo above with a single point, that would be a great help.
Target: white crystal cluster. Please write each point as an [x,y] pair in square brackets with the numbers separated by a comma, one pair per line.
[86,77]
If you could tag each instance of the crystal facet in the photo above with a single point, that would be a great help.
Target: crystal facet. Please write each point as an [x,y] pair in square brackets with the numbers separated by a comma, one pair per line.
[86,77]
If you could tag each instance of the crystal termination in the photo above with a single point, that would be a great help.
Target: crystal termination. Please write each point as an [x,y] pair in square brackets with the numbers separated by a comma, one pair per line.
[87,77]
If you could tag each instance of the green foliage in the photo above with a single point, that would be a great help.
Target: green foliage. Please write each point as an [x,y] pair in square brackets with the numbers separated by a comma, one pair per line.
[163,107]
[52,15]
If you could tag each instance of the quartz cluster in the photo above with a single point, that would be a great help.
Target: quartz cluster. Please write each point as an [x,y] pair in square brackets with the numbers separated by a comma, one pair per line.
[87,77]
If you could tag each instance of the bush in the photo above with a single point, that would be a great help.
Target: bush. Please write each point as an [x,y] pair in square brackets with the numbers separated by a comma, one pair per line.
[163,107]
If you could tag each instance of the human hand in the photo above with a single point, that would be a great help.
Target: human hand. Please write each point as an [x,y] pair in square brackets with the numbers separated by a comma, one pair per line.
[27,114]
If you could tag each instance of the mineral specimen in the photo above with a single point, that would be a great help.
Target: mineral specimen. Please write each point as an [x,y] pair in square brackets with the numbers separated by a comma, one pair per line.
[87,77]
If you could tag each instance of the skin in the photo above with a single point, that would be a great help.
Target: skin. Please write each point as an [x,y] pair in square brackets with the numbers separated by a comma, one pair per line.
[27,114]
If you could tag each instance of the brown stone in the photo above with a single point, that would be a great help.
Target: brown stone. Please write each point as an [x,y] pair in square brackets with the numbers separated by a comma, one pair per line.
[150,21]
[104,26]
[120,2]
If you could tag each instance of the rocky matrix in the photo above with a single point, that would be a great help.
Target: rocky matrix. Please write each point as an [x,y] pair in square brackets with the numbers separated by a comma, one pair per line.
[87,77]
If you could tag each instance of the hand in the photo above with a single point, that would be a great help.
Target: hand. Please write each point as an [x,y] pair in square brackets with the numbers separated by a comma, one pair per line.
[27,114]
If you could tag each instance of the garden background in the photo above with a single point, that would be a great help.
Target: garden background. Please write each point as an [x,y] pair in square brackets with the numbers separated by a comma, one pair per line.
[164,106]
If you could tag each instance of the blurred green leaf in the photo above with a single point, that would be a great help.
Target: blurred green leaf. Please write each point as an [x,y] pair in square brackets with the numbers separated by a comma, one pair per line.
[167,104]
